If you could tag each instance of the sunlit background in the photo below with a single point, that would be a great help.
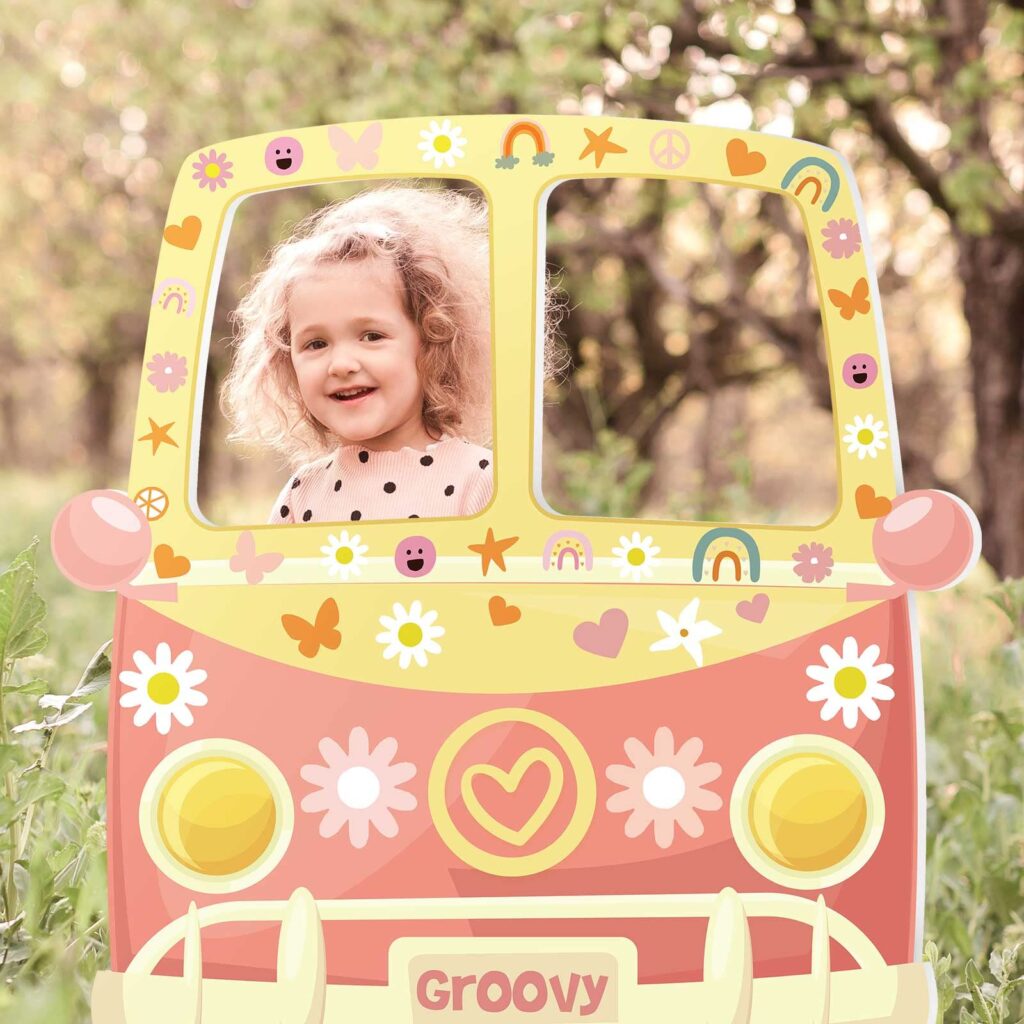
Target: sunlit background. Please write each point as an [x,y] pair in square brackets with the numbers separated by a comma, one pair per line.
[103,100]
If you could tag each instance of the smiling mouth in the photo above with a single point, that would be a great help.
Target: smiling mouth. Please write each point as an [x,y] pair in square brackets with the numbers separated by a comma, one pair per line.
[352,394]
[414,564]
[284,164]
[859,378]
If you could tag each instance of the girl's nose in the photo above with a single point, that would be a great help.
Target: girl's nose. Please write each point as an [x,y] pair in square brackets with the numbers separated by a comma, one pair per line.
[344,360]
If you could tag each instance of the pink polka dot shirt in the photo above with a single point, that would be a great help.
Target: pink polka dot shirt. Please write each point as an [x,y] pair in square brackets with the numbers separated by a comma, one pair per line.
[449,478]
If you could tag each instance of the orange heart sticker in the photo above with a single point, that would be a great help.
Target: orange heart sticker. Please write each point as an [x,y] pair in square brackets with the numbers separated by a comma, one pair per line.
[184,235]
[503,613]
[743,161]
[168,564]
[871,505]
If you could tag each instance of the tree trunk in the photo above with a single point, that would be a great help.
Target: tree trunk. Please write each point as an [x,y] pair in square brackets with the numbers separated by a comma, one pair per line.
[99,374]
[992,270]
[10,362]
[10,448]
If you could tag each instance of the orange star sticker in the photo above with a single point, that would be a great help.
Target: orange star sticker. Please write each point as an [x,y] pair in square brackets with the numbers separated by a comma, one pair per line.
[493,551]
[600,145]
[158,435]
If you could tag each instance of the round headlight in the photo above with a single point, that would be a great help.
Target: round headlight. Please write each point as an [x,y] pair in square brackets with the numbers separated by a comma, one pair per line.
[216,816]
[807,811]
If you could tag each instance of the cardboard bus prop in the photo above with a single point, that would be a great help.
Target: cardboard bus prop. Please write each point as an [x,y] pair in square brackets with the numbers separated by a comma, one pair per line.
[510,782]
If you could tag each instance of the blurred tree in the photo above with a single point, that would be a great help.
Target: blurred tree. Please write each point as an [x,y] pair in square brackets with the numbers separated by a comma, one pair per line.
[104,97]
[933,90]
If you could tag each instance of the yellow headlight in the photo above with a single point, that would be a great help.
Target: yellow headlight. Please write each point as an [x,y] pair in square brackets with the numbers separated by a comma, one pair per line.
[216,815]
[807,811]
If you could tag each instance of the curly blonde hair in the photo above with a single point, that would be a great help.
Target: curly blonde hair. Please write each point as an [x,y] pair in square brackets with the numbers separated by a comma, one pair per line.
[437,241]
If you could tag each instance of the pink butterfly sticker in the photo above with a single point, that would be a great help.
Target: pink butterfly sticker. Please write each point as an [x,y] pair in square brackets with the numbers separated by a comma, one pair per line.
[246,560]
[356,151]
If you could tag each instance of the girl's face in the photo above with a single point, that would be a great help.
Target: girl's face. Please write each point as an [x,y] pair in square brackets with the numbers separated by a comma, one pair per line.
[354,351]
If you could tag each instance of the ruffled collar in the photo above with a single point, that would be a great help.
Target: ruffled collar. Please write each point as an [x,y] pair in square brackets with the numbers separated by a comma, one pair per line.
[352,451]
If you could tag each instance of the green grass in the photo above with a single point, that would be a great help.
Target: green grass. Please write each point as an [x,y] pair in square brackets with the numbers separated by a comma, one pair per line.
[973,660]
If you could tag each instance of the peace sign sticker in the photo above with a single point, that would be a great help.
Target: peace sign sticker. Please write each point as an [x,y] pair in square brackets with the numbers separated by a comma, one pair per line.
[670,149]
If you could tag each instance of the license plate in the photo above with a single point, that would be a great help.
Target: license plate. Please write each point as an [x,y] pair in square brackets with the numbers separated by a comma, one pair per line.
[514,982]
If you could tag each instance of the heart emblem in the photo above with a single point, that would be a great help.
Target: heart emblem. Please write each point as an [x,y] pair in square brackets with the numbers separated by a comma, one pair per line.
[502,613]
[510,782]
[184,235]
[603,638]
[743,161]
[755,609]
[869,504]
[168,564]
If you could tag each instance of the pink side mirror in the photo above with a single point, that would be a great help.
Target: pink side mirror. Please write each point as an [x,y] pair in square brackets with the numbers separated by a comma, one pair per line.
[928,540]
[101,540]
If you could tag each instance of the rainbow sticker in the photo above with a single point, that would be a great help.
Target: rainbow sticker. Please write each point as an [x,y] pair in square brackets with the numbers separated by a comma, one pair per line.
[811,180]
[542,158]
[571,546]
[724,552]
[176,294]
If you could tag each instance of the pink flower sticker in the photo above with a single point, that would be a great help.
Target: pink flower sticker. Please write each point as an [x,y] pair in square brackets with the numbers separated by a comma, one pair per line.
[664,787]
[358,787]
[813,562]
[169,371]
[842,238]
[213,170]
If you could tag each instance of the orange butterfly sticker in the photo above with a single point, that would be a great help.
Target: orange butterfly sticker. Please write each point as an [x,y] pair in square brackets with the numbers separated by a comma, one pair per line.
[314,635]
[855,302]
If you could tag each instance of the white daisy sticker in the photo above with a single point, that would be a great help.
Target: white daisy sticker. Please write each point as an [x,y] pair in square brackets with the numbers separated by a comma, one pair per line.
[358,787]
[851,683]
[411,635]
[635,556]
[164,688]
[865,437]
[686,631]
[443,143]
[344,555]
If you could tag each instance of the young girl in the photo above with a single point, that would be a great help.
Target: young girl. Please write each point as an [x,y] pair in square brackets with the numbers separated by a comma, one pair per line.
[365,345]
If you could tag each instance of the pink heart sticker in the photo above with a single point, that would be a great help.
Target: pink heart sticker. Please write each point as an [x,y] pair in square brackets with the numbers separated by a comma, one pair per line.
[755,609]
[603,638]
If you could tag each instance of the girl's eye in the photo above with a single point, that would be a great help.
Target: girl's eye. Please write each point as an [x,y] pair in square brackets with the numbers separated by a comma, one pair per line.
[373,336]
[315,343]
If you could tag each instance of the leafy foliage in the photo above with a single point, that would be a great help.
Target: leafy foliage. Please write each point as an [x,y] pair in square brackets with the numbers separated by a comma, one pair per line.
[606,480]
[52,839]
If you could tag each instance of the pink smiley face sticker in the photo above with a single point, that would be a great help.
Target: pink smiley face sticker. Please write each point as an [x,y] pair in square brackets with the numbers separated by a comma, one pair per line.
[415,556]
[283,155]
[860,370]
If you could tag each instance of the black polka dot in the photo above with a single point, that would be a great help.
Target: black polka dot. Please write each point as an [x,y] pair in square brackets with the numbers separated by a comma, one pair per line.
[307,515]
[295,483]
[356,515]
[364,456]
[414,516]
[427,460]
[284,511]
[389,488]
[484,463]
[449,490]
[337,485]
